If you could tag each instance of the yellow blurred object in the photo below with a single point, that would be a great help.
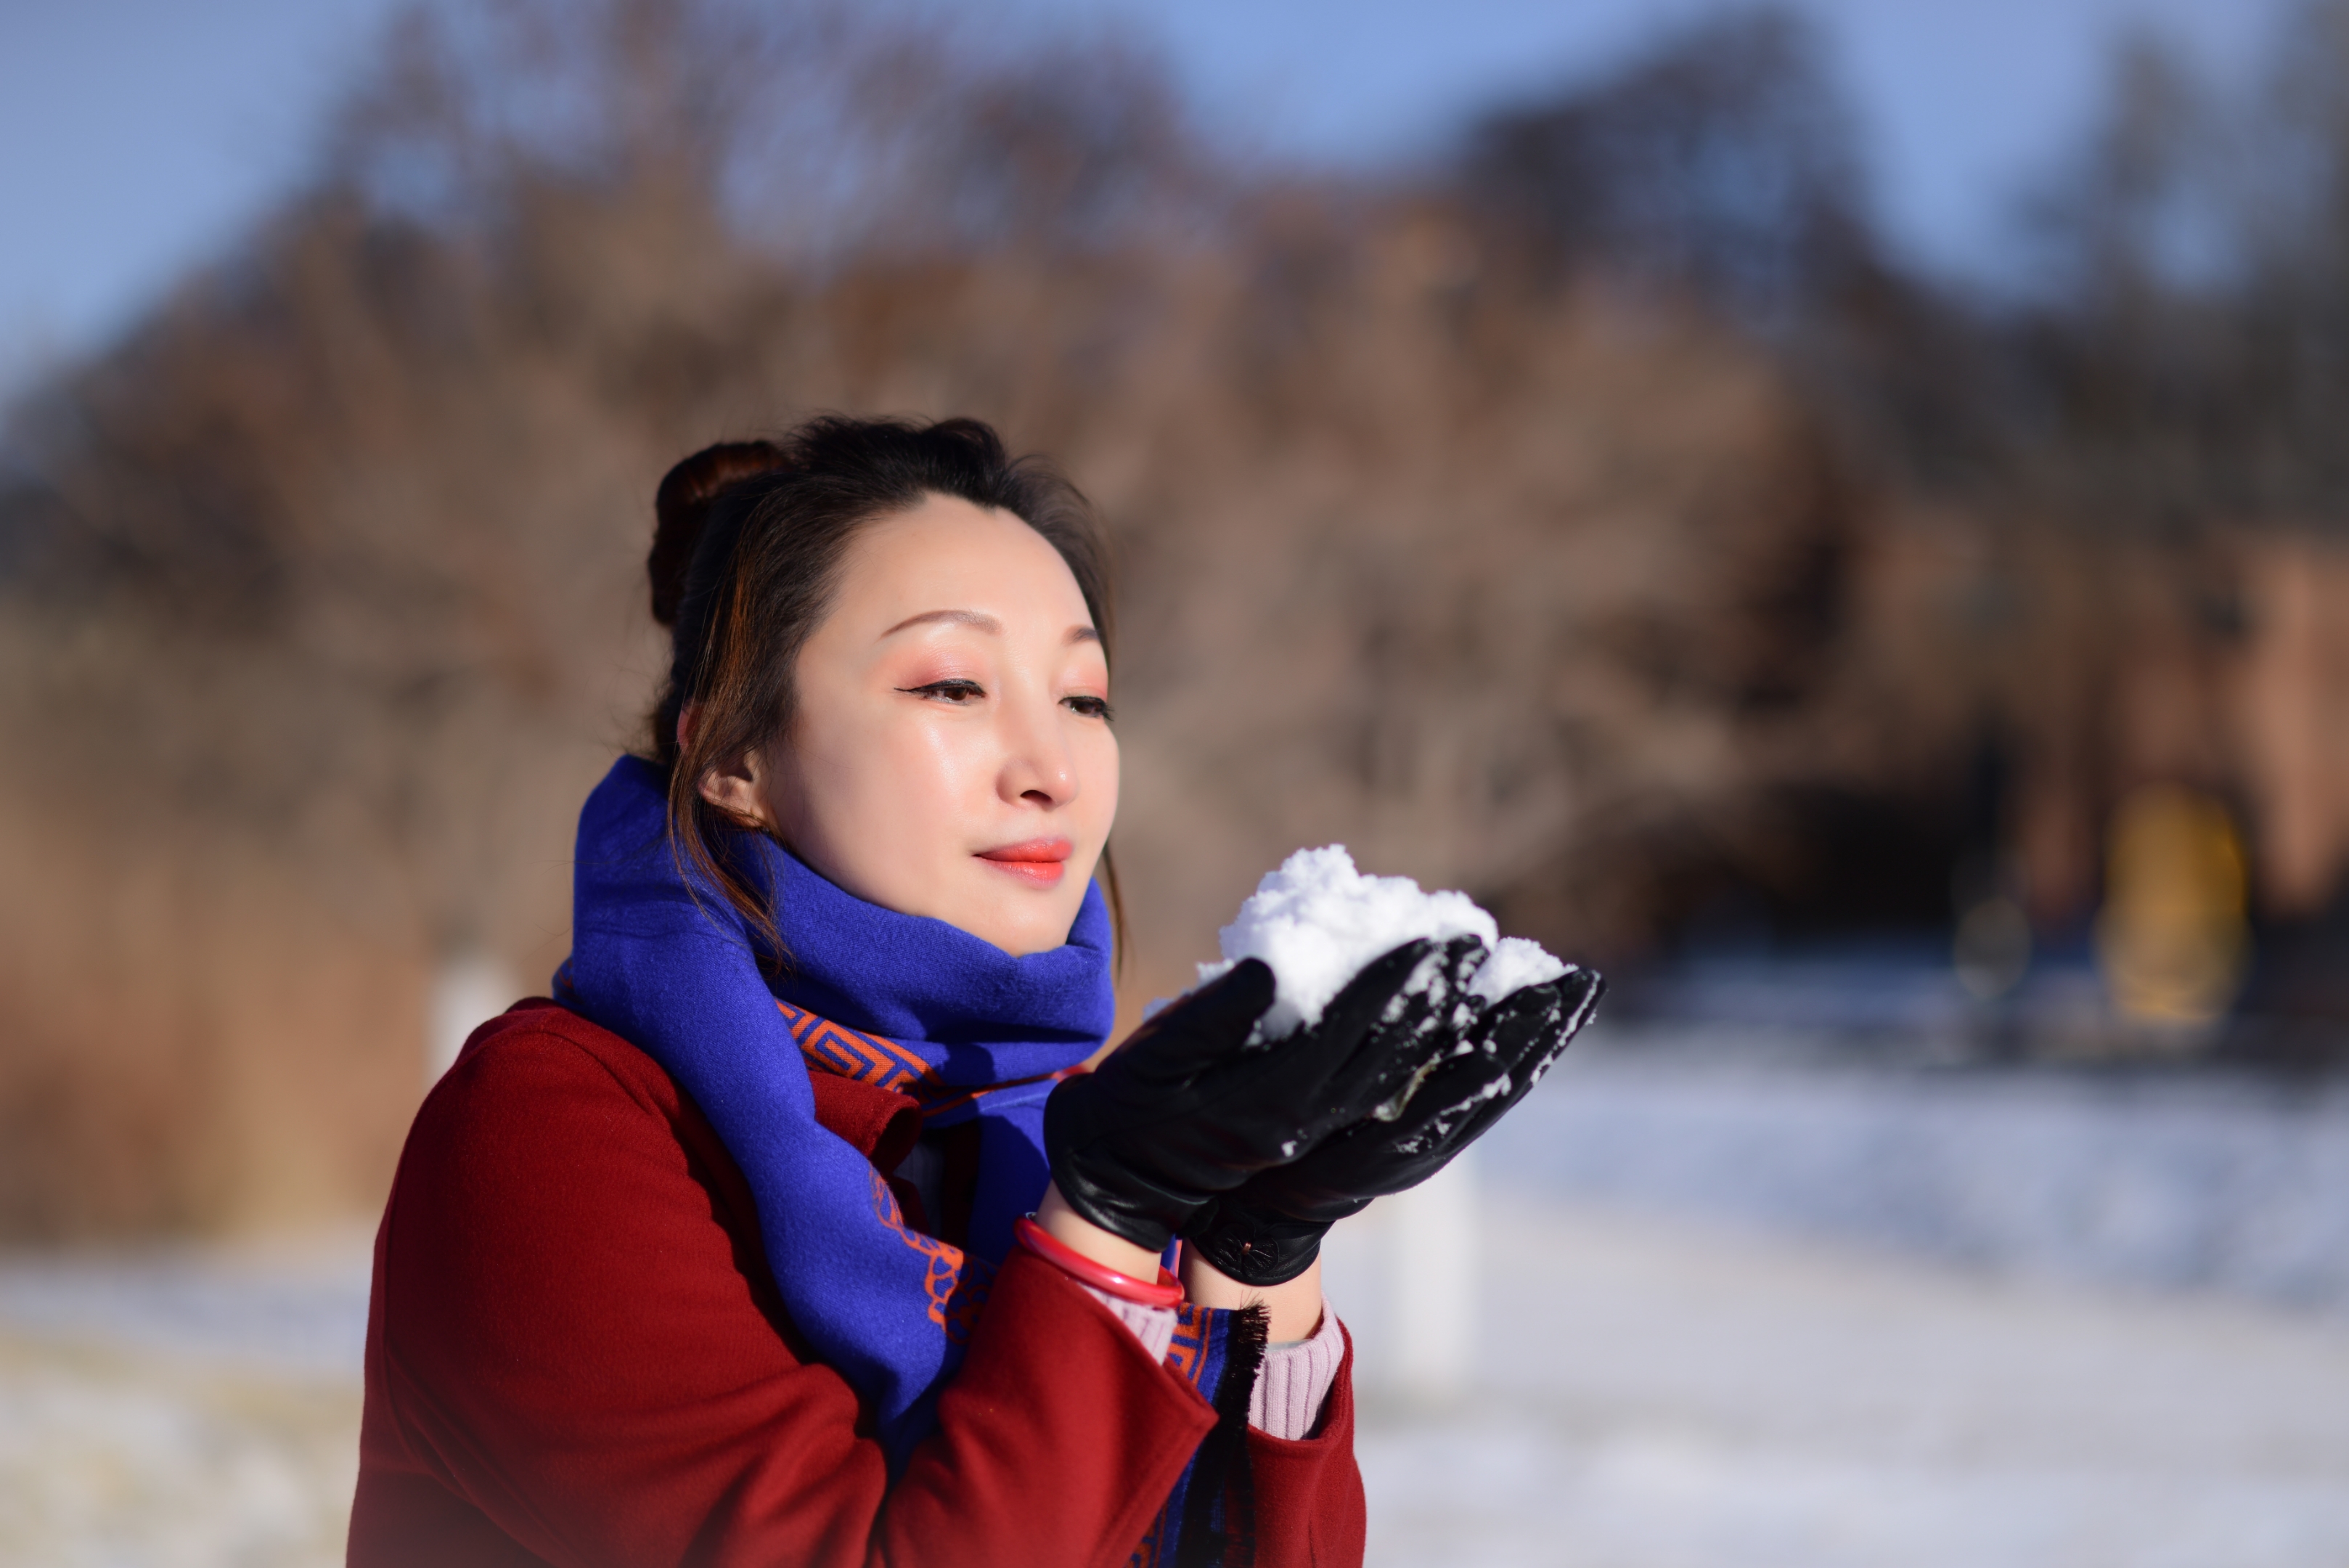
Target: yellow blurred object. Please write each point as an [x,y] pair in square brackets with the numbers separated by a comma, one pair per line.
[2172,940]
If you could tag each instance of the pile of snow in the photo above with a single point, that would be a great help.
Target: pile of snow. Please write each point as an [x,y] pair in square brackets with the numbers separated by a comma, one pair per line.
[1319,923]
[1515,963]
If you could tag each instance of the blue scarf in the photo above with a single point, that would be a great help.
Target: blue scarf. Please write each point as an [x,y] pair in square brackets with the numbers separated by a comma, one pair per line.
[902,1002]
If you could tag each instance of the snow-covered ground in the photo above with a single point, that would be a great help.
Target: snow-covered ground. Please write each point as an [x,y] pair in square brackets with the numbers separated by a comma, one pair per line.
[1648,1393]
[1736,1304]
[1753,1301]
[180,1407]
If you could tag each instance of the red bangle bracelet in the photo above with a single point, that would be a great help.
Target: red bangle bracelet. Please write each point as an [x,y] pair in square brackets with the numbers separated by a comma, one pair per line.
[1166,1293]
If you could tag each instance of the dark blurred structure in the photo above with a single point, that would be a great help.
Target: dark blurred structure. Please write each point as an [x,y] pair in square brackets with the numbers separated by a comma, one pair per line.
[1722,165]
[1608,527]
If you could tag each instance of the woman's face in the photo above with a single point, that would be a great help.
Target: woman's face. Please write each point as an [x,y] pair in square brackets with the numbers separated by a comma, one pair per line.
[951,755]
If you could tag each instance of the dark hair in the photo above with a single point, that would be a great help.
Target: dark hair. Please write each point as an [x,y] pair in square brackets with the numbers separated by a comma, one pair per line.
[746,556]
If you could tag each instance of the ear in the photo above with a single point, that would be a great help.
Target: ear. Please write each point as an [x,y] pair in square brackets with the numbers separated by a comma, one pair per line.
[734,788]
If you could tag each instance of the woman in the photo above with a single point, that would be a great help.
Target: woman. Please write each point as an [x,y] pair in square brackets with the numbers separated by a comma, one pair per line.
[728,1254]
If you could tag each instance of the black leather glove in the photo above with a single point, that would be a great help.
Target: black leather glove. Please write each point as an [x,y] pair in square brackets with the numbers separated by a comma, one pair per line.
[1269,1230]
[1187,1107]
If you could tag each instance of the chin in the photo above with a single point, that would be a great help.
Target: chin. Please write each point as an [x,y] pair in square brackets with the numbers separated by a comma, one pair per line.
[1027,939]
[1031,932]
[1020,920]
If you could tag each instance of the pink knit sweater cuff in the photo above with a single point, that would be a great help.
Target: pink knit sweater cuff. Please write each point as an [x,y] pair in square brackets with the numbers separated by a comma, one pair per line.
[1296,1380]
[1154,1326]
[1290,1392]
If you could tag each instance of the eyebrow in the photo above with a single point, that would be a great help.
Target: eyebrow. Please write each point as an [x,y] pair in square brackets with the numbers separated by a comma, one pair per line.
[985,623]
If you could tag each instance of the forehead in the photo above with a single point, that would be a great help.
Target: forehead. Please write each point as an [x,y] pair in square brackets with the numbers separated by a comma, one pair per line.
[947,554]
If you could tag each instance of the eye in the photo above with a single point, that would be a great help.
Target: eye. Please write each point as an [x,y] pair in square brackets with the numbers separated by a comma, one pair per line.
[1090,707]
[958,693]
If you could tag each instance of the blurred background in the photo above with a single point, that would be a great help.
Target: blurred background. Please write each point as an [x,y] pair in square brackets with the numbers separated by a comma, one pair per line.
[1837,513]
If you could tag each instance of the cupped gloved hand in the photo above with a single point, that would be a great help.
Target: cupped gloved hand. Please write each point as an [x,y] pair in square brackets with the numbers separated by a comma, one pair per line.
[1189,1107]
[1268,1229]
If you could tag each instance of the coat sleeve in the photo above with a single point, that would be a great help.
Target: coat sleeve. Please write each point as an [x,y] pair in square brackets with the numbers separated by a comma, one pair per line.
[574,1357]
[1310,1507]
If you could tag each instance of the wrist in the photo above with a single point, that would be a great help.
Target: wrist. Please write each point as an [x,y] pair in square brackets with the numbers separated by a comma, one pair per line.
[1081,1235]
[1293,1308]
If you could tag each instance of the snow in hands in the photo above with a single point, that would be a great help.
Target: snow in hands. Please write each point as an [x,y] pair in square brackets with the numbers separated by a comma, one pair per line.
[1319,923]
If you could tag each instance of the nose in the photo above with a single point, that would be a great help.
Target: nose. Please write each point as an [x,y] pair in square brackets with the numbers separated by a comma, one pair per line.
[1038,765]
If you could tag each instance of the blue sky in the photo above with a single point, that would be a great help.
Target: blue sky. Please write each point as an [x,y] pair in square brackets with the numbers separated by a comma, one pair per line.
[138,137]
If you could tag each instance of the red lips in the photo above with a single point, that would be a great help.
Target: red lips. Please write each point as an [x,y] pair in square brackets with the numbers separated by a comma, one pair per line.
[1040,862]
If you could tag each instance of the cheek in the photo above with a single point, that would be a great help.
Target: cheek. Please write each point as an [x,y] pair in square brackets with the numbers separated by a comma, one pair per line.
[860,775]
[1111,765]
[1098,767]
[944,766]
[913,771]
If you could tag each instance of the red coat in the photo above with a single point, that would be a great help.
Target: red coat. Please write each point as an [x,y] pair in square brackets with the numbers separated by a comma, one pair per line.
[575,1355]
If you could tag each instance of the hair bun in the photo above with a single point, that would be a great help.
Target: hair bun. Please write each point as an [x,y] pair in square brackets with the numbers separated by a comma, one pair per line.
[681,506]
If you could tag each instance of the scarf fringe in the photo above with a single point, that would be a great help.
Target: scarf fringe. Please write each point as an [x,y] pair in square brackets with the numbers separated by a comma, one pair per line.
[1219,1517]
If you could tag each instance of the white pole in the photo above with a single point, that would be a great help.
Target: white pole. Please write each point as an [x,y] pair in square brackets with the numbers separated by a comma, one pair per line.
[468,990]
[1433,1259]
